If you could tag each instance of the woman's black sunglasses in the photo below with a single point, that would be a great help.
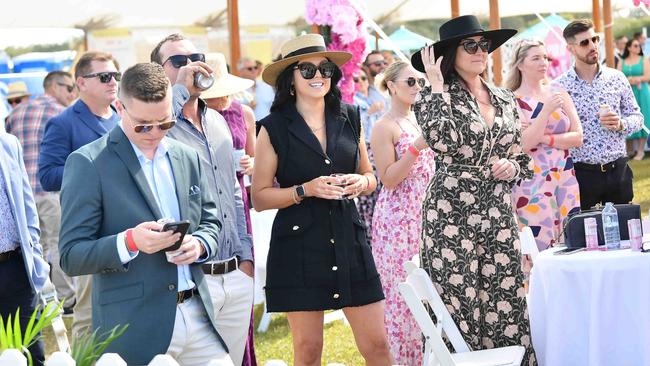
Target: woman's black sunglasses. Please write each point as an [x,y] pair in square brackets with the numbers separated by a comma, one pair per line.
[179,61]
[472,46]
[308,70]
[411,81]
[104,77]
[356,79]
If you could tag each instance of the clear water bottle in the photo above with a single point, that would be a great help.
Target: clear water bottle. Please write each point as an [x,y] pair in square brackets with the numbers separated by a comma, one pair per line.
[610,227]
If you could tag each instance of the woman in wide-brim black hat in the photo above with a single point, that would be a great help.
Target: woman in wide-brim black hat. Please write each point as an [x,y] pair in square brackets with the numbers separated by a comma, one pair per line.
[319,259]
[471,247]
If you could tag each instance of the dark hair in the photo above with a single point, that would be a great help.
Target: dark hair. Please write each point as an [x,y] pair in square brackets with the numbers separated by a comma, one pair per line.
[575,27]
[284,85]
[374,52]
[54,76]
[626,51]
[146,82]
[637,35]
[447,66]
[83,65]
[155,53]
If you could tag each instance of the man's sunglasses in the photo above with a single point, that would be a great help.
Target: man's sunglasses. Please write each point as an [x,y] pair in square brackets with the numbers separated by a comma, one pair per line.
[146,127]
[104,77]
[251,68]
[378,63]
[69,88]
[179,61]
[472,46]
[411,81]
[362,78]
[585,42]
[308,70]
[13,102]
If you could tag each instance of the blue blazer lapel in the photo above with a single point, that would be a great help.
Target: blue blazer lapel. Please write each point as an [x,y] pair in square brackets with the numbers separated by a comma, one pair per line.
[122,147]
[88,118]
[180,180]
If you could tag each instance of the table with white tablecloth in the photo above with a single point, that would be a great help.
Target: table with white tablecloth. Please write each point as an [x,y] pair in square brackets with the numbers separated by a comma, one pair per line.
[591,308]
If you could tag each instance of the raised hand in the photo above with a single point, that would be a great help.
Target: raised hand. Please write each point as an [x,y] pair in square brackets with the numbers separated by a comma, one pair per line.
[432,68]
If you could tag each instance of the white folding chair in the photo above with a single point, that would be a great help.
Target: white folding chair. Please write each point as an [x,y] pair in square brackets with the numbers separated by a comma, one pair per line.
[417,289]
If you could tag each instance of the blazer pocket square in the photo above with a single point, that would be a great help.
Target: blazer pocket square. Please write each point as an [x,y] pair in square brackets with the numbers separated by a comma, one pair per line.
[194,190]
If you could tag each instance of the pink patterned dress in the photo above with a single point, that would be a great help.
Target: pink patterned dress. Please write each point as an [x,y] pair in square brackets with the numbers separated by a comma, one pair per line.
[545,201]
[396,229]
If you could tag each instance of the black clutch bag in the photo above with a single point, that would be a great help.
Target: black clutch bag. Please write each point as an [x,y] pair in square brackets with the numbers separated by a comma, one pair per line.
[574,226]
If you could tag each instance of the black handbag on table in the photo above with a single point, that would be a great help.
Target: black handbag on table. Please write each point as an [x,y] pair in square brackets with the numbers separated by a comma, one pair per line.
[574,226]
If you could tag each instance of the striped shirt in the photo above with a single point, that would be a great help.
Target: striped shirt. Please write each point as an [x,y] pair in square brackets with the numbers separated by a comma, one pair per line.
[27,122]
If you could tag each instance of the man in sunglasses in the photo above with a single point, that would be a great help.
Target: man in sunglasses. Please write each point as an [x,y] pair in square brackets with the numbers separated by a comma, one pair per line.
[27,122]
[608,112]
[91,117]
[262,93]
[17,93]
[114,191]
[230,275]
[374,65]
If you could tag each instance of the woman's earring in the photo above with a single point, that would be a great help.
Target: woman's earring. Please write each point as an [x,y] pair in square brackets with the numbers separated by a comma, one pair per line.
[292,90]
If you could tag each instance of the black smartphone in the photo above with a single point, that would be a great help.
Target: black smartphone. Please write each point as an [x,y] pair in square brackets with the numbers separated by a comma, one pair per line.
[176,227]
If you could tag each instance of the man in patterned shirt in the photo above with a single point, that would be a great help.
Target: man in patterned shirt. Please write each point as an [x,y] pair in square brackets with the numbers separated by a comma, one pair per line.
[27,122]
[601,162]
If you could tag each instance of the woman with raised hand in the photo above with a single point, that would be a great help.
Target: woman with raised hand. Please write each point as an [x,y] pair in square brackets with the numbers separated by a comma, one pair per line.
[470,238]
[313,145]
[405,166]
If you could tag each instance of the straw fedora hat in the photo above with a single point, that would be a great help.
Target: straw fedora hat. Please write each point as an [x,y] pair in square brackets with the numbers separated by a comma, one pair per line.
[224,83]
[17,89]
[455,30]
[307,45]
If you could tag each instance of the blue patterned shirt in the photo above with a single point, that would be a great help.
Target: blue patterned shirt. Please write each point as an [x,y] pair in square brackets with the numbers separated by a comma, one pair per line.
[610,86]
[9,237]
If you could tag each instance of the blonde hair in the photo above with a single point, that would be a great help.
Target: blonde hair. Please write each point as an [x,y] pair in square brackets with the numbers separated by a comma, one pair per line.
[392,73]
[519,53]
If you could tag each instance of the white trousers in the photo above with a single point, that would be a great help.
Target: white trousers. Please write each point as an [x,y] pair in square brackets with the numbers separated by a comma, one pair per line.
[194,341]
[232,298]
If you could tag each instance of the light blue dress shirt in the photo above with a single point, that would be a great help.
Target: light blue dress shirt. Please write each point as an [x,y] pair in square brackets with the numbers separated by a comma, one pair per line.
[160,177]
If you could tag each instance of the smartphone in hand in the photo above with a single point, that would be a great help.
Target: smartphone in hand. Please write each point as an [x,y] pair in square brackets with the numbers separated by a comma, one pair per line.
[176,227]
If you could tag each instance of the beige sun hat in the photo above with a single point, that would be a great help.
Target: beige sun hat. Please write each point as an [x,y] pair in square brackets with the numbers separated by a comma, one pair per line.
[307,45]
[17,89]
[224,83]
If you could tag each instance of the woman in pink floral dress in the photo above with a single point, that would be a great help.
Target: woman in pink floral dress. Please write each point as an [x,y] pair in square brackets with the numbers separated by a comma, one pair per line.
[405,166]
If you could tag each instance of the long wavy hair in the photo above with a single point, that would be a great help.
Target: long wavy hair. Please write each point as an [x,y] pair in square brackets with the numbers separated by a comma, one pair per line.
[519,53]
[284,87]
[626,51]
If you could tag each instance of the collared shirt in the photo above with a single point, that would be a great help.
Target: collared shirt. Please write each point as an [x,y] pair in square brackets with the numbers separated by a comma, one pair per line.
[214,146]
[9,238]
[264,95]
[610,86]
[160,177]
[374,96]
[367,119]
[27,122]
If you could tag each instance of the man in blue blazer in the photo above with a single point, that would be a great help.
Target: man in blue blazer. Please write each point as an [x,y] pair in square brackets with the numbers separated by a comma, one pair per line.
[23,271]
[90,118]
[114,191]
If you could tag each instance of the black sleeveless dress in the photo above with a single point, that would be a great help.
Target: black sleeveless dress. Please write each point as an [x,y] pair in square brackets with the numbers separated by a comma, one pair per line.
[318,257]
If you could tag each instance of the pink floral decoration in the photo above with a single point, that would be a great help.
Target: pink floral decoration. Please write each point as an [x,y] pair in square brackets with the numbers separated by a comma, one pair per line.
[639,2]
[347,34]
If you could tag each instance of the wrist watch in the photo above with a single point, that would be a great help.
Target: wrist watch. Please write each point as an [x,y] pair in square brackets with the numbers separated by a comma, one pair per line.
[300,191]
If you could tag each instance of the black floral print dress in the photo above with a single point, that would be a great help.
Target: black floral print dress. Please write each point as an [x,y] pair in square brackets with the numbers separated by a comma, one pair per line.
[470,239]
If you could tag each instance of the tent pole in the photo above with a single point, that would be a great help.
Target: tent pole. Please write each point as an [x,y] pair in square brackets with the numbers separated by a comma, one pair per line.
[597,19]
[455,9]
[495,23]
[233,24]
[376,41]
[609,34]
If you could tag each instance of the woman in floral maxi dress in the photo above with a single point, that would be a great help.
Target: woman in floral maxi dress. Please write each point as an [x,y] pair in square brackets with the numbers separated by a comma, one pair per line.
[405,166]
[470,239]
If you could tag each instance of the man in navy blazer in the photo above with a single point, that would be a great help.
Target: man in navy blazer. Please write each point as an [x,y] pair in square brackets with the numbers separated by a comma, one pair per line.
[114,192]
[23,271]
[90,118]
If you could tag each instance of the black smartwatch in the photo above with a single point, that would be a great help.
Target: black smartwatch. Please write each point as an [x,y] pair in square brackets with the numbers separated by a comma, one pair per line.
[300,191]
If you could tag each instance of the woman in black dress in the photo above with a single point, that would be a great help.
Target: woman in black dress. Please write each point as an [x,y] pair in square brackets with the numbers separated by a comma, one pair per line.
[318,258]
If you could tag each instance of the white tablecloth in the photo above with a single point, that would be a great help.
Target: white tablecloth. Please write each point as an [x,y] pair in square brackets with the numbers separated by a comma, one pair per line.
[261,223]
[591,308]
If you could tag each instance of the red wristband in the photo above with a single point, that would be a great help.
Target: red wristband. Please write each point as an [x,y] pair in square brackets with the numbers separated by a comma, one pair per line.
[551,140]
[414,151]
[130,244]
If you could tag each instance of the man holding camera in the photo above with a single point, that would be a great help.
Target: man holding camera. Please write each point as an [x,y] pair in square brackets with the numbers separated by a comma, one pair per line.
[113,194]
[230,277]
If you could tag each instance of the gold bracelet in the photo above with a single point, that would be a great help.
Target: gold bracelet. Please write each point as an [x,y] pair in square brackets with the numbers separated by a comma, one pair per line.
[368,181]
[294,196]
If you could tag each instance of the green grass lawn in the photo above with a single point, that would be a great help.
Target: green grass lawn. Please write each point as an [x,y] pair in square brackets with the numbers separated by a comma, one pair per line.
[339,342]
